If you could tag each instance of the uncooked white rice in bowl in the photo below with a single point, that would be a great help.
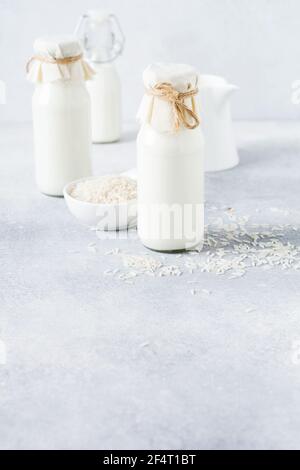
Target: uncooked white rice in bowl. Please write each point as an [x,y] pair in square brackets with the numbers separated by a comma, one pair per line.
[106,202]
[105,190]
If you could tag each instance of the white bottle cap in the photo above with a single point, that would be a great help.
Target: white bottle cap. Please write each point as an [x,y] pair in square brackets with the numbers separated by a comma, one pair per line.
[157,112]
[58,47]
[99,16]
[47,65]
[178,75]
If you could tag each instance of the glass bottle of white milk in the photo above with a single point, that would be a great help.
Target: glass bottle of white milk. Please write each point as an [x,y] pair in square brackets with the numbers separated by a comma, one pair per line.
[61,113]
[170,160]
[103,41]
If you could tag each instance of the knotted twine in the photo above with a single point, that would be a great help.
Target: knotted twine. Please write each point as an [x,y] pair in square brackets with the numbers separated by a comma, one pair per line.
[51,60]
[183,115]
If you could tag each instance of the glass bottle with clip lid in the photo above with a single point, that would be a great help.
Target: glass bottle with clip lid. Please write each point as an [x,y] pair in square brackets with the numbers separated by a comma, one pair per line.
[103,41]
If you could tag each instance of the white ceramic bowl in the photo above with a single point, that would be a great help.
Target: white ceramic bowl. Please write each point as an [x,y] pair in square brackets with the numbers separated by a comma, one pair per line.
[107,217]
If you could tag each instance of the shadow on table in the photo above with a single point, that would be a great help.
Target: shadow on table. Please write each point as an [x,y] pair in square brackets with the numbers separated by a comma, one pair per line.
[278,154]
[129,136]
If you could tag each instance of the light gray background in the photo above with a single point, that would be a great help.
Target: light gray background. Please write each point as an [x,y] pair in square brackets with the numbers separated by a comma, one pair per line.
[96,364]
[254,44]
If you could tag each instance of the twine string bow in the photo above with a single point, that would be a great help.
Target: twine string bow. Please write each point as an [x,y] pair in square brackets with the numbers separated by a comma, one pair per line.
[183,115]
[52,60]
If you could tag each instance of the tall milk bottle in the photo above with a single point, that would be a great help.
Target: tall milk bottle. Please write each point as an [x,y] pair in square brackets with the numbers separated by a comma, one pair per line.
[103,41]
[61,113]
[170,149]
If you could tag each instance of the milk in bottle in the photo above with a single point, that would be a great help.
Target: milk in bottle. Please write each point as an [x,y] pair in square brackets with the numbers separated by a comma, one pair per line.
[61,113]
[170,160]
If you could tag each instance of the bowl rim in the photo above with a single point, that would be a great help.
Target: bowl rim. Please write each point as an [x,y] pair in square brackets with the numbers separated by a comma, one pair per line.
[95,204]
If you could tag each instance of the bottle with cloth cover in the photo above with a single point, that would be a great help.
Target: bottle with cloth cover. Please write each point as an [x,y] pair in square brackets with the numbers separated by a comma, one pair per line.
[103,41]
[170,149]
[61,113]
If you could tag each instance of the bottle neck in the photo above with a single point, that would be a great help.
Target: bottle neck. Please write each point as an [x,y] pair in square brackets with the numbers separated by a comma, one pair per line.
[102,65]
[63,84]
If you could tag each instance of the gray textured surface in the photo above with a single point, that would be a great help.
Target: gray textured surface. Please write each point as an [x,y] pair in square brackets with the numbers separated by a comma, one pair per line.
[77,373]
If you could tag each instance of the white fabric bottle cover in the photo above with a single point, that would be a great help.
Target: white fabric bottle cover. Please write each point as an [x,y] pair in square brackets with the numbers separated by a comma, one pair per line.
[68,53]
[156,111]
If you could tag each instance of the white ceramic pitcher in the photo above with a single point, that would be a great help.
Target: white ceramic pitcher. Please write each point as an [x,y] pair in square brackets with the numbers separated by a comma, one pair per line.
[215,100]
